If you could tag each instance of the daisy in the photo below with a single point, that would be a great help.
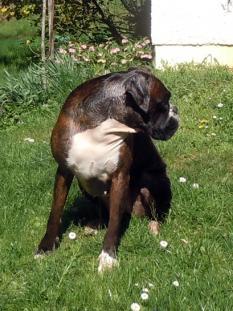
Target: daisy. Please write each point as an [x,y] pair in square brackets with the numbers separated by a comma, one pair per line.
[175,283]
[135,306]
[182,179]
[163,244]
[144,296]
[72,235]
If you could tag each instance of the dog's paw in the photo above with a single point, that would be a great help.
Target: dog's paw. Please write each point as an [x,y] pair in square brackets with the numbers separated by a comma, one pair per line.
[46,246]
[154,227]
[106,262]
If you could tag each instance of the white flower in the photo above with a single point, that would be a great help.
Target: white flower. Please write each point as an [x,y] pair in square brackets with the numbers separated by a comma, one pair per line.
[213,134]
[30,140]
[62,51]
[220,105]
[176,283]
[146,56]
[145,290]
[123,61]
[72,235]
[102,61]
[163,244]
[195,186]
[150,285]
[135,306]
[144,296]
[86,59]
[214,117]
[114,50]
[182,179]
[110,293]
[147,41]
[124,41]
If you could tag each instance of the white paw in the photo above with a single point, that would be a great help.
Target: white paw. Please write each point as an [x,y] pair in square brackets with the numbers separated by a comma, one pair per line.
[106,262]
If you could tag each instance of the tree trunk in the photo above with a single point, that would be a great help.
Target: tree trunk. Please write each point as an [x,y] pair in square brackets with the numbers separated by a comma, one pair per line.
[43,30]
[51,28]
[109,22]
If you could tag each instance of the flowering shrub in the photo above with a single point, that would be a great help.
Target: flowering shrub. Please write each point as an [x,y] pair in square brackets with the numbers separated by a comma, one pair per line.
[73,64]
[19,11]
[109,56]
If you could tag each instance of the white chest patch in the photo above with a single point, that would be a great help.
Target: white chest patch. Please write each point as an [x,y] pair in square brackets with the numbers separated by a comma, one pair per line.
[94,154]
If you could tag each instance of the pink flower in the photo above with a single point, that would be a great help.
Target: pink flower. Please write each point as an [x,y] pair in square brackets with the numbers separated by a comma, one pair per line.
[72,50]
[146,56]
[114,50]
[92,48]
[137,45]
[83,46]
[145,43]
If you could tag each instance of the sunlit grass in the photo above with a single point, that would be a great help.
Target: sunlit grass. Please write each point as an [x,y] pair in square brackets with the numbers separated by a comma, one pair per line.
[198,230]
[15,53]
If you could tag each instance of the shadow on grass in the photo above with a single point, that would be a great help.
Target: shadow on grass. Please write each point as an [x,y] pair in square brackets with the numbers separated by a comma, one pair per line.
[89,212]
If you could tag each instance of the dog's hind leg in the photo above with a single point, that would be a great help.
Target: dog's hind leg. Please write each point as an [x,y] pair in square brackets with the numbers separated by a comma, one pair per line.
[153,198]
[159,186]
[62,185]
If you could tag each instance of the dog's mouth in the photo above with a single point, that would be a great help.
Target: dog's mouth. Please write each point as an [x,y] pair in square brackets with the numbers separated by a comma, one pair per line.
[169,127]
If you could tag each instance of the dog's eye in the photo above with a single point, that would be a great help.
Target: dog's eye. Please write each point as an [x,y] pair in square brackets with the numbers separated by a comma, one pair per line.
[162,106]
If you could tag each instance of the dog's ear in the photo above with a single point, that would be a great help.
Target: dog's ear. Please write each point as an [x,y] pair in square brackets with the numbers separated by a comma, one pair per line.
[137,87]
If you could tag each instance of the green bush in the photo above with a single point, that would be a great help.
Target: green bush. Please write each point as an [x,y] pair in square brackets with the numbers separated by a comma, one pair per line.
[73,64]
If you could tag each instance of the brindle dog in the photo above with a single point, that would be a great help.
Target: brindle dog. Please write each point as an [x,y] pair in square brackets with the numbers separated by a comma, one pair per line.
[103,137]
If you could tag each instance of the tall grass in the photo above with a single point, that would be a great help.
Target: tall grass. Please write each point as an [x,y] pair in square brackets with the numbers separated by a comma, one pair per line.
[18,45]
[40,84]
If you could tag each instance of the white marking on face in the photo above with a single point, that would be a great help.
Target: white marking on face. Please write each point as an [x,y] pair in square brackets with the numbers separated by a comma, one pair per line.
[106,262]
[94,153]
[164,122]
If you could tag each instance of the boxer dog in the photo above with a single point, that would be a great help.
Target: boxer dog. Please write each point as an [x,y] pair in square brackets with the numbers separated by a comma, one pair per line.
[103,136]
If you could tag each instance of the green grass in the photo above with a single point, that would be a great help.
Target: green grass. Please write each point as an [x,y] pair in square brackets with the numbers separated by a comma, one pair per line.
[15,53]
[68,279]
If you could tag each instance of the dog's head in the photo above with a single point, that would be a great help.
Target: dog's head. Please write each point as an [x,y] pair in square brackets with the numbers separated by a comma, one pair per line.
[150,98]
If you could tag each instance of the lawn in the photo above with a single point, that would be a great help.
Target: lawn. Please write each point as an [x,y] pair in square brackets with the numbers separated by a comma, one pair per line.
[19,45]
[198,230]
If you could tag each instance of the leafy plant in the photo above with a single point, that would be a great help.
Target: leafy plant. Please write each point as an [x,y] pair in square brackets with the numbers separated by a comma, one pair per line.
[73,64]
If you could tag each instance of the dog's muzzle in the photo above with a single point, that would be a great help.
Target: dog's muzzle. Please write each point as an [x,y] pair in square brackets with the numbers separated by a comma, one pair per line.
[169,127]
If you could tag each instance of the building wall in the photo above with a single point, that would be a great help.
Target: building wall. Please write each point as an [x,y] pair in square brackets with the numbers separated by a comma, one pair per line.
[192,31]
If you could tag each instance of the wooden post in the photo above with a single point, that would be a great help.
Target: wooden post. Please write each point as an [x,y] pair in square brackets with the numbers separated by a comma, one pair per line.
[43,57]
[51,28]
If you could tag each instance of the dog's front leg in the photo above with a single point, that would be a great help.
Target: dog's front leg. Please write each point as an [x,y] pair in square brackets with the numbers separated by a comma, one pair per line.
[63,181]
[118,201]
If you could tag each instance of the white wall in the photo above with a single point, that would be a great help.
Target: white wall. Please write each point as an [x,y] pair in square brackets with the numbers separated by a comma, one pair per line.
[203,27]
